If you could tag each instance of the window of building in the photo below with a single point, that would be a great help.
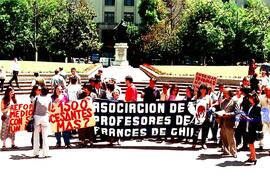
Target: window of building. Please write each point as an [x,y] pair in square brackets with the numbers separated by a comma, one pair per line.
[109,17]
[129,17]
[129,2]
[109,2]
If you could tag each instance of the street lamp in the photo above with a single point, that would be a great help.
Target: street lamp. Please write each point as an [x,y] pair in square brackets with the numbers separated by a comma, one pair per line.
[35,29]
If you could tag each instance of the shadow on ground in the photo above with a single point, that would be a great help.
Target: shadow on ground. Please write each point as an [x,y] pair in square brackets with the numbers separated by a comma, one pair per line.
[232,163]
[24,157]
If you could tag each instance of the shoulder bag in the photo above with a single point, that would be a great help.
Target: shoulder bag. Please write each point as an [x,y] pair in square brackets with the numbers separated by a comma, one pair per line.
[30,125]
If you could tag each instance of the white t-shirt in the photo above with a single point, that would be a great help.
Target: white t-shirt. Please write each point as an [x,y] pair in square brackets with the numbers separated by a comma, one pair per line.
[42,105]
[73,91]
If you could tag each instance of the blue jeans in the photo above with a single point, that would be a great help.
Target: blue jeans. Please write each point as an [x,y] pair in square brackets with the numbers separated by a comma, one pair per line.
[66,136]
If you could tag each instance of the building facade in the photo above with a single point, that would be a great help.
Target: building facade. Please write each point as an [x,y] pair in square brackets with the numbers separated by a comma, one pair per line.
[109,14]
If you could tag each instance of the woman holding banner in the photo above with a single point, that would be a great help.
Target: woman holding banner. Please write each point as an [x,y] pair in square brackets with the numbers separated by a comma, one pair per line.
[36,90]
[8,100]
[41,117]
[59,97]
[174,90]
[203,103]
[88,132]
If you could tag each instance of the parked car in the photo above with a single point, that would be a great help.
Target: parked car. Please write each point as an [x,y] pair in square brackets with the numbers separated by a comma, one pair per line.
[95,58]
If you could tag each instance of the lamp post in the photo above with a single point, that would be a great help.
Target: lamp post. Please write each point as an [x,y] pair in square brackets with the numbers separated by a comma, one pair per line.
[35,29]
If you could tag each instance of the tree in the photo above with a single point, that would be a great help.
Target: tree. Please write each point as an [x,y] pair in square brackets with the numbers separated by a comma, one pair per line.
[79,34]
[200,32]
[151,12]
[160,38]
[14,19]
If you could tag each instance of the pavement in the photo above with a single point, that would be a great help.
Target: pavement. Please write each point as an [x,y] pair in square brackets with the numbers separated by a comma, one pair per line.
[129,166]
[120,72]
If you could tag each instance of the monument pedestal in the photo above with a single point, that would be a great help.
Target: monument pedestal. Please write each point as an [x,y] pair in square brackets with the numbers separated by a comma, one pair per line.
[120,55]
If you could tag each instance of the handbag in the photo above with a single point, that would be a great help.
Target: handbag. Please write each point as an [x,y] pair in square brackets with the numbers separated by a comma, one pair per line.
[30,125]
[259,135]
[4,117]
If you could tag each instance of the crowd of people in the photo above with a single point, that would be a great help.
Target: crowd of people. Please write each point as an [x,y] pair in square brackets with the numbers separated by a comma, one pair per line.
[238,115]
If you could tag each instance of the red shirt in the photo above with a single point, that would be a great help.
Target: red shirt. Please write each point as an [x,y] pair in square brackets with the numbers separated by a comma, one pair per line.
[131,94]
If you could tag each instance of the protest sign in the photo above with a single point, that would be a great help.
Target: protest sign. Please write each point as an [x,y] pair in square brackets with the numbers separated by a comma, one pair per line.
[72,115]
[130,120]
[20,115]
[201,78]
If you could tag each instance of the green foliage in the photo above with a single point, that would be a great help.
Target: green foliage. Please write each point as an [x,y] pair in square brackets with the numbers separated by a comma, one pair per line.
[56,27]
[14,18]
[151,12]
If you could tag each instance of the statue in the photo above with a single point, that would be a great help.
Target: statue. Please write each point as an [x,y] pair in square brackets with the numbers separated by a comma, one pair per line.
[121,32]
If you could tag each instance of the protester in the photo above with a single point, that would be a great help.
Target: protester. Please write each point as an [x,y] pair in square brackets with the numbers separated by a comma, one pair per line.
[8,100]
[38,80]
[88,132]
[36,91]
[202,122]
[74,89]
[61,98]
[57,80]
[238,97]
[2,77]
[116,87]
[265,107]
[99,75]
[254,83]
[74,74]
[109,90]
[174,96]
[15,68]
[62,73]
[245,83]
[213,100]
[229,110]
[252,67]
[99,90]
[189,94]
[115,96]
[41,117]
[131,91]
[151,92]
[265,81]
[240,132]
[92,84]
[254,123]
[164,96]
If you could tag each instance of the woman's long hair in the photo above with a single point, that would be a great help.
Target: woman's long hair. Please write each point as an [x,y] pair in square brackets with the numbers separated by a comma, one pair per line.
[199,94]
[6,97]
[33,91]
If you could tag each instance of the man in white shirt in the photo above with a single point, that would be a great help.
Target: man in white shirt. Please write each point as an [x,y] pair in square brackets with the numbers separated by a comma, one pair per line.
[15,68]
[74,89]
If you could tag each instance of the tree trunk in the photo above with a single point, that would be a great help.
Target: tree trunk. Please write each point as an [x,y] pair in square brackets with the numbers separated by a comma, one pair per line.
[36,55]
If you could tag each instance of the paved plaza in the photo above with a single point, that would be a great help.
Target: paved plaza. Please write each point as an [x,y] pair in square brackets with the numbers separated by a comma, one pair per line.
[129,166]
